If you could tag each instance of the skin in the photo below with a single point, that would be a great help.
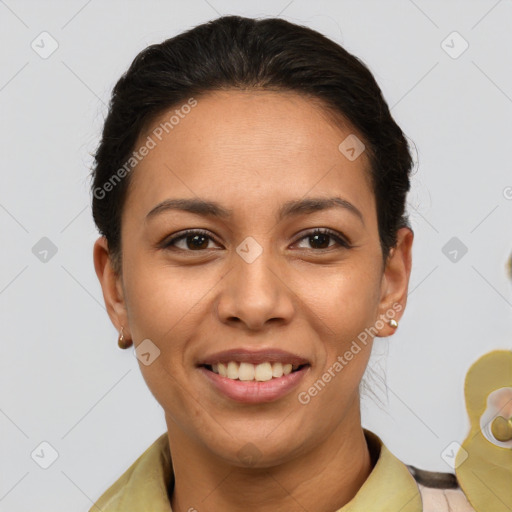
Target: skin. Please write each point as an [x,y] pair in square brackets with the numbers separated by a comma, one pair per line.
[252,151]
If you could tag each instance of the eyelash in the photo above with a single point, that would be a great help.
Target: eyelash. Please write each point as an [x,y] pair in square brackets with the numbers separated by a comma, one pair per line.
[168,244]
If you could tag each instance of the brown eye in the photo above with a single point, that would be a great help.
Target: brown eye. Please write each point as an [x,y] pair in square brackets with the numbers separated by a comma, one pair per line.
[320,239]
[194,240]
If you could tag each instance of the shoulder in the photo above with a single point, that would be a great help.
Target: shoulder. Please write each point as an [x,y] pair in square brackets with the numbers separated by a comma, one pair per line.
[440,492]
[144,485]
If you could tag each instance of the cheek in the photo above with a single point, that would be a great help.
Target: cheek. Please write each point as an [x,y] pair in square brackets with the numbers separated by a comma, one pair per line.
[165,307]
[343,301]
[343,310]
[163,300]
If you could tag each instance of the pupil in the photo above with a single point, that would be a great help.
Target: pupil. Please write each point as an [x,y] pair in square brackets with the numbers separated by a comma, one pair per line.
[320,235]
[194,244]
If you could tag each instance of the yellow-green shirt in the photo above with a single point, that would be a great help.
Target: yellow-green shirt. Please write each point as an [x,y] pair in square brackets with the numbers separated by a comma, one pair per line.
[390,487]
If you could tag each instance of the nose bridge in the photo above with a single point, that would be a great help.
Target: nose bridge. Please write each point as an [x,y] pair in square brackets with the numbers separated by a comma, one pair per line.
[254,291]
[253,264]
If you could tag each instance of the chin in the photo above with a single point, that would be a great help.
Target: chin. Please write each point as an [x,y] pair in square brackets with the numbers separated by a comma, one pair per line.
[262,449]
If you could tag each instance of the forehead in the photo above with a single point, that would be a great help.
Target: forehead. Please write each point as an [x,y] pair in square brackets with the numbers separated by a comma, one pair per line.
[249,147]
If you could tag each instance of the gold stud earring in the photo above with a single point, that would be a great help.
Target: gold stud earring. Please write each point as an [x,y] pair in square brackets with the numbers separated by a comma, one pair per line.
[122,342]
[393,323]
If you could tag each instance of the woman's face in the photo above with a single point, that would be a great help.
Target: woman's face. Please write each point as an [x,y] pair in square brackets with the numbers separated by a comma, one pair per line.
[256,280]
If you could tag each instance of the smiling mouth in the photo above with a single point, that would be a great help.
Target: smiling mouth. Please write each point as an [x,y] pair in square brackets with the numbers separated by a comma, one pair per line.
[253,372]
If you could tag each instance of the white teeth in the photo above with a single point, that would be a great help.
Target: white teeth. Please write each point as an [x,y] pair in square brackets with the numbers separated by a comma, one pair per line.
[223,371]
[232,371]
[277,370]
[263,372]
[246,371]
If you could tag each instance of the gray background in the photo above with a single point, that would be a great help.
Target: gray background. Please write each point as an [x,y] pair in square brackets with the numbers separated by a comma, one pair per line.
[63,379]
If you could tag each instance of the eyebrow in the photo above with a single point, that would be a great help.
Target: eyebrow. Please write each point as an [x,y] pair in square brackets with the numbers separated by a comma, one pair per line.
[288,209]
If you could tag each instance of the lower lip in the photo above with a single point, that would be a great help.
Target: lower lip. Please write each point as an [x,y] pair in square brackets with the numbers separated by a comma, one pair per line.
[255,392]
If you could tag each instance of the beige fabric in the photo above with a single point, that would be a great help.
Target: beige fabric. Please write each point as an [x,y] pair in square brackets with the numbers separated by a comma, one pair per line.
[444,500]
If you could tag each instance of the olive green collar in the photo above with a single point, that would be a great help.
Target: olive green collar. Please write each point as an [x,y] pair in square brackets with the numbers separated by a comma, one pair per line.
[143,487]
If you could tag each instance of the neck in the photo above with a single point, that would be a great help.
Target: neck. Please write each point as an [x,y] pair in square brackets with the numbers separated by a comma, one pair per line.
[323,479]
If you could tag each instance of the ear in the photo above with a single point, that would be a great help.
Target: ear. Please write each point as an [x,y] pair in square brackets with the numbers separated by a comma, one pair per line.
[111,285]
[395,281]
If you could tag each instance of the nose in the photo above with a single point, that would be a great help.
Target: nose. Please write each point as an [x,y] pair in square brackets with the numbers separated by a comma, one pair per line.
[255,292]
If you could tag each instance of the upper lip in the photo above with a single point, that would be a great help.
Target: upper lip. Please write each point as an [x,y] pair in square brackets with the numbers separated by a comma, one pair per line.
[242,355]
